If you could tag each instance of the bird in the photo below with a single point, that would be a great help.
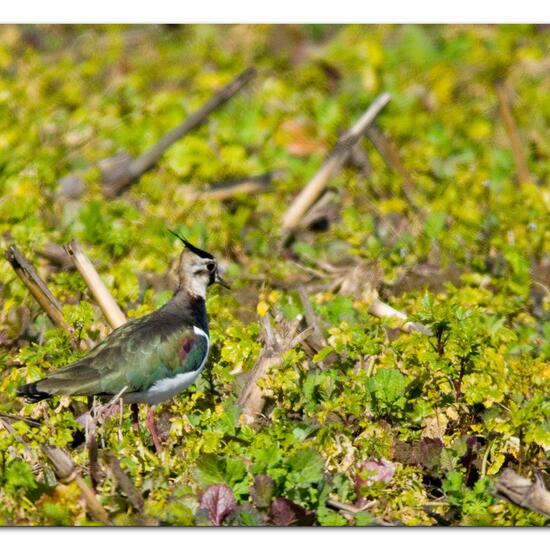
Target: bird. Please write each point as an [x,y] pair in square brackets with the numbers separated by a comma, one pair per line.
[149,359]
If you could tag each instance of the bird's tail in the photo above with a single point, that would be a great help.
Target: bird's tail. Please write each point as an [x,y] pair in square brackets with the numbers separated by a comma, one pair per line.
[31,393]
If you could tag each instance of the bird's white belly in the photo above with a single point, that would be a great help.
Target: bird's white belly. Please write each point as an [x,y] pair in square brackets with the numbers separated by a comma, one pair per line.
[166,388]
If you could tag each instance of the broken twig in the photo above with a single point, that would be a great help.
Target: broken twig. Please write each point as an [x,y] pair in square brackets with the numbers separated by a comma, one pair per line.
[119,174]
[37,287]
[311,192]
[123,481]
[17,418]
[382,310]
[360,281]
[228,190]
[349,508]
[106,302]
[66,472]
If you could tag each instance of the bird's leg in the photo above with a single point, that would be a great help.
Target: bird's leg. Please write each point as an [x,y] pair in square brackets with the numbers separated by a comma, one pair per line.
[135,415]
[152,427]
[121,407]
[91,445]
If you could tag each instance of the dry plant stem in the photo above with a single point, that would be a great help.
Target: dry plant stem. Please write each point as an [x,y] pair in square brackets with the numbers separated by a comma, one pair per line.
[43,295]
[311,192]
[66,472]
[123,481]
[348,510]
[106,302]
[131,169]
[382,310]
[523,492]
[30,278]
[276,342]
[61,461]
[332,503]
[512,131]
[355,283]
[228,190]
[16,418]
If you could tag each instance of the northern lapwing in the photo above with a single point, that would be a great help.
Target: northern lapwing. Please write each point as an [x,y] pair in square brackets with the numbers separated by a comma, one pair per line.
[150,359]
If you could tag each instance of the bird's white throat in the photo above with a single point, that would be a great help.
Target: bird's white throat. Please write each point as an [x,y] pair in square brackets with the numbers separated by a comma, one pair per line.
[197,286]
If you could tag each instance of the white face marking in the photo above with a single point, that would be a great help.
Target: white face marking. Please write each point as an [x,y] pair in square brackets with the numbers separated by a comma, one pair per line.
[197,285]
[195,274]
[166,388]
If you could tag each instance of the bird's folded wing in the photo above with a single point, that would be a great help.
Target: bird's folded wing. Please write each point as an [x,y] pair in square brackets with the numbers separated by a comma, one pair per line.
[134,357]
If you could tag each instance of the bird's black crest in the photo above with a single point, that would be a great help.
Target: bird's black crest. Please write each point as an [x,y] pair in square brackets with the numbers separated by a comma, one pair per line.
[193,248]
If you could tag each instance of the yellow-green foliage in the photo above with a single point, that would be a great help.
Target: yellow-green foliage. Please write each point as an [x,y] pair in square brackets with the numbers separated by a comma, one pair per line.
[467,253]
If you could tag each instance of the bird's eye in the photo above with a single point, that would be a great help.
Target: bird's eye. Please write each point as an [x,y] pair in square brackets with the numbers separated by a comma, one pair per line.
[211,266]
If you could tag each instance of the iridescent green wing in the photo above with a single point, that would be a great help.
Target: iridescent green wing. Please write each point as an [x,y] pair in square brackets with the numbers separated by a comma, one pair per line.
[134,357]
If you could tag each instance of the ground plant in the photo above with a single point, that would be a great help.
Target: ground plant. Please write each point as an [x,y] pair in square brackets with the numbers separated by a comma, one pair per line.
[420,272]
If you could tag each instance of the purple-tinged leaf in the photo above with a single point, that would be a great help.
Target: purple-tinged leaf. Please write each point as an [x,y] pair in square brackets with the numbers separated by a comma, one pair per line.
[219,501]
[374,470]
[405,452]
[262,491]
[425,453]
[284,512]
[429,452]
[370,472]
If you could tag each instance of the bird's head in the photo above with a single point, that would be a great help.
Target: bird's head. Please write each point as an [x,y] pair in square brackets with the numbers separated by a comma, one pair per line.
[197,269]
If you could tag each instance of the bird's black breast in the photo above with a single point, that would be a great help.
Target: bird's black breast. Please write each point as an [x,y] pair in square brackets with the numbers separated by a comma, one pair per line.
[183,309]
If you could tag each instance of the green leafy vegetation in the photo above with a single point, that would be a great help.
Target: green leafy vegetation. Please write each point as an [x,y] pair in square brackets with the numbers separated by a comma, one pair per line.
[396,428]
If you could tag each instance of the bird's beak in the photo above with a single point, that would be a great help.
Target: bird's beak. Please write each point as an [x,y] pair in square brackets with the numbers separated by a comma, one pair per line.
[220,281]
